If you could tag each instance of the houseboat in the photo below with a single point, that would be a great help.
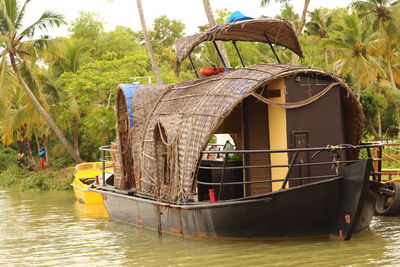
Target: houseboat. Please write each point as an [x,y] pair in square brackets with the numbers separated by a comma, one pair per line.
[293,171]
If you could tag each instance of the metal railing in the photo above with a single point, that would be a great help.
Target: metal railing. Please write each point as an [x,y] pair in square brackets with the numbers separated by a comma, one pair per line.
[333,151]
[379,157]
[106,159]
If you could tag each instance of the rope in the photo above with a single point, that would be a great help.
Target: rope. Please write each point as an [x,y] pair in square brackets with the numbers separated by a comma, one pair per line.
[298,104]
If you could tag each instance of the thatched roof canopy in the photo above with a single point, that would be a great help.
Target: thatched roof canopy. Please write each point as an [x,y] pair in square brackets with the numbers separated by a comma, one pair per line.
[279,32]
[182,117]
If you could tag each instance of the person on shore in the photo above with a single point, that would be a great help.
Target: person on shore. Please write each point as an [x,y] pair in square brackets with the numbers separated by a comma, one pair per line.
[42,156]
[20,159]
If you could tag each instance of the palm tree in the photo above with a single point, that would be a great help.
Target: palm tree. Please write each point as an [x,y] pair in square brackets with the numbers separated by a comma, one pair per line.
[356,54]
[14,124]
[213,23]
[68,55]
[13,45]
[355,51]
[319,26]
[383,16]
[153,60]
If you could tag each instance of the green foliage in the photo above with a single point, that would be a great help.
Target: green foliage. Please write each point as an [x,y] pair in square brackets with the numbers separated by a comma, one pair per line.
[11,176]
[320,23]
[213,139]
[55,180]
[223,15]
[118,43]
[391,152]
[372,102]
[287,13]
[8,157]
[165,32]
[93,88]
[37,182]
[49,179]
[267,2]
[87,26]
[315,53]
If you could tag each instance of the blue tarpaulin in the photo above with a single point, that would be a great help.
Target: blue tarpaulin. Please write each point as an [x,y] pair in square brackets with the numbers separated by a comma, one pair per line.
[129,92]
[237,16]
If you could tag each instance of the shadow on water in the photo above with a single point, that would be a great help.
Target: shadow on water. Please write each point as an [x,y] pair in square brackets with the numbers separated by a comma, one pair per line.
[53,229]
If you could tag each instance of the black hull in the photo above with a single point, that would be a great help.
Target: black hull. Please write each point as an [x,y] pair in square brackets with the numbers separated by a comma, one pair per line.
[332,208]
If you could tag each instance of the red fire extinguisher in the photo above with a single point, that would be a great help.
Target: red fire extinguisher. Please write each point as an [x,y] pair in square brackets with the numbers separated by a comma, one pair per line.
[211,193]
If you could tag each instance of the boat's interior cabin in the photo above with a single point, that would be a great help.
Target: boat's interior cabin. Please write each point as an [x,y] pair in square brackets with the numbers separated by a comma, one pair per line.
[253,125]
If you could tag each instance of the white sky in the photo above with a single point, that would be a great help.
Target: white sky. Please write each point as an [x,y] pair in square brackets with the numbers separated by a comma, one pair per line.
[190,12]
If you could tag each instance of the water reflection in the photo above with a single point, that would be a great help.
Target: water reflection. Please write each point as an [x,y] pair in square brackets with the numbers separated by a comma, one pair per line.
[93,210]
[50,229]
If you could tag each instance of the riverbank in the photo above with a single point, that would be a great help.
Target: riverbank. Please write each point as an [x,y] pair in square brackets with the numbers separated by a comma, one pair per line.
[36,181]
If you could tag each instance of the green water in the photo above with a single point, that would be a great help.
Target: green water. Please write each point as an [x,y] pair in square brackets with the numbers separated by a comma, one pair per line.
[50,229]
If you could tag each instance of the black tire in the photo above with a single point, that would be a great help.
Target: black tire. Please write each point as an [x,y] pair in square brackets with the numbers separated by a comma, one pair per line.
[386,205]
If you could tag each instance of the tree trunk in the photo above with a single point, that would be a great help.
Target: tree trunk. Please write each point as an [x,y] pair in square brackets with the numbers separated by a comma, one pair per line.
[379,121]
[37,143]
[300,28]
[378,115]
[75,134]
[326,57]
[44,114]
[372,128]
[46,148]
[303,17]
[294,58]
[393,82]
[397,110]
[28,150]
[153,60]
[213,23]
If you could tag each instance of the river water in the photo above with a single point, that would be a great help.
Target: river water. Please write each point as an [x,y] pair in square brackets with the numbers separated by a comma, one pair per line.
[49,229]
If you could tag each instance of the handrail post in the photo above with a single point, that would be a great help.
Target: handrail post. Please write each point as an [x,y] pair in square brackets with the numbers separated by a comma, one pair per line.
[104,167]
[222,175]
[377,153]
[289,170]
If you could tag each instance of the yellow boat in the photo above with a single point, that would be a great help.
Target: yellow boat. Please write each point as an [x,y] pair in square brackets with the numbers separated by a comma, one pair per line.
[85,176]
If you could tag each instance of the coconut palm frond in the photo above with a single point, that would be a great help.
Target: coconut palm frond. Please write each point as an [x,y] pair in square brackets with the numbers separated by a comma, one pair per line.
[6,13]
[47,20]
[21,14]
[5,77]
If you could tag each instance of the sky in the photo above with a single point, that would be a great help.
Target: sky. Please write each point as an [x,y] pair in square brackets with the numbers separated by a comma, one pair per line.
[190,12]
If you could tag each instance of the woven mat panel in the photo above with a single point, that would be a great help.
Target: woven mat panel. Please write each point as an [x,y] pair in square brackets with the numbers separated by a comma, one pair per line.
[190,112]
[279,32]
[118,172]
[144,101]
